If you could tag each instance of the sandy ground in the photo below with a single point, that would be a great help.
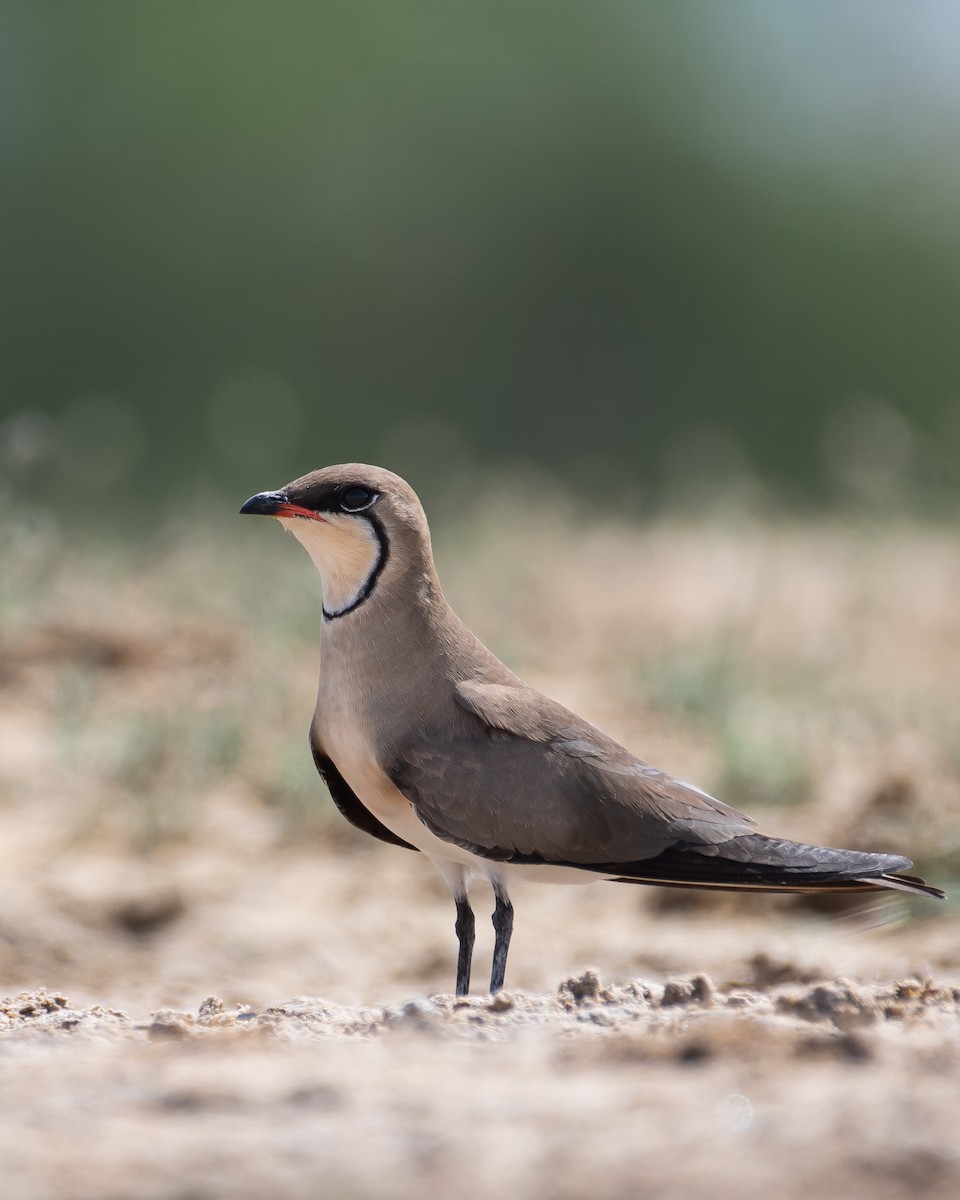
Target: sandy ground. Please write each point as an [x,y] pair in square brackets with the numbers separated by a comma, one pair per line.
[677,1090]
[170,876]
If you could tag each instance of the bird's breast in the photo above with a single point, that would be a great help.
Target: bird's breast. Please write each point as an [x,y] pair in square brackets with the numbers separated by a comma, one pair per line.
[342,731]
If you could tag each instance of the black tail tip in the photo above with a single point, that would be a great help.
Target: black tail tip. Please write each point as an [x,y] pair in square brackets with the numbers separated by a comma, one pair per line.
[910,883]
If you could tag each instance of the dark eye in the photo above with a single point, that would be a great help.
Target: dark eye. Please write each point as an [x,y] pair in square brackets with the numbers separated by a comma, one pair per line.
[356,498]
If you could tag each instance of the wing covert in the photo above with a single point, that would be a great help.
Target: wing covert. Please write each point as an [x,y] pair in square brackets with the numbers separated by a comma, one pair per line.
[518,777]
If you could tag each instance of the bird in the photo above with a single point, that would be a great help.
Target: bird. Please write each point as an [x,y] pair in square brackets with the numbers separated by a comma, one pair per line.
[427,741]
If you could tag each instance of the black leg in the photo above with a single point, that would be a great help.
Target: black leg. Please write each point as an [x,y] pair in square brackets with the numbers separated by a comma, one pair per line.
[503,927]
[464,927]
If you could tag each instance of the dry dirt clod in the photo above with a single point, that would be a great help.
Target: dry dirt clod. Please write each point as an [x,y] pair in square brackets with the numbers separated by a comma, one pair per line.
[580,989]
[697,990]
[170,1024]
[838,1002]
[27,1005]
[502,1002]
[420,1014]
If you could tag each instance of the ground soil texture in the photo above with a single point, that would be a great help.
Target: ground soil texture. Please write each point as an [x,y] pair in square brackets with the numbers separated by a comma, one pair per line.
[680,1089]
[170,871]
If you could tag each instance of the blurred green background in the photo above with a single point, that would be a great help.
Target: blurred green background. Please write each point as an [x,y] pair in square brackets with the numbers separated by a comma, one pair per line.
[657,251]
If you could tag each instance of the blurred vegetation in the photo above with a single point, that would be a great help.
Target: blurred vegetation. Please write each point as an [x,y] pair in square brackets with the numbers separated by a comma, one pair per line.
[659,250]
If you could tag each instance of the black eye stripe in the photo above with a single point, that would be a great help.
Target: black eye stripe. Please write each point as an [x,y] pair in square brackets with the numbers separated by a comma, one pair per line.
[335,497]
[356,498]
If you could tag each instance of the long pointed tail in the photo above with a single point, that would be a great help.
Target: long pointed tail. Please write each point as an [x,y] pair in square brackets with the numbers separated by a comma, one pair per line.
[757,863]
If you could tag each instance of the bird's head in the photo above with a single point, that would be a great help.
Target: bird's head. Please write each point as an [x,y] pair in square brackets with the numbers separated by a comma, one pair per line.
[355,521]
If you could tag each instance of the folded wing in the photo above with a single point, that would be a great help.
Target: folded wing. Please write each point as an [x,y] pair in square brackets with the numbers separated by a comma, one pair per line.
[516,777]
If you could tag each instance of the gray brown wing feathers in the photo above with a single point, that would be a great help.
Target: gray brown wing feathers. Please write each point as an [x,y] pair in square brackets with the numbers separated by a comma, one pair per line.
[519,778]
